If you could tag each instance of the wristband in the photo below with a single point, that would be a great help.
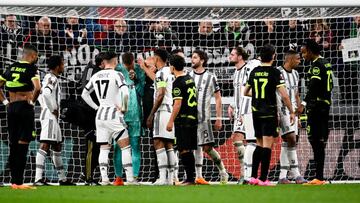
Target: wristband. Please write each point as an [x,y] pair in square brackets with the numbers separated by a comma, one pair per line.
[303,103]
[5,102]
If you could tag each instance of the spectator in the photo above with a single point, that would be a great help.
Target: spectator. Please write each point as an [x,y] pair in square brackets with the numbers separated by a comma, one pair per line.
[43,37]
[205,37]
[10,38]
[266,32]
[121,38]
[237,33]
[163,34]
[321,33]
[74,33]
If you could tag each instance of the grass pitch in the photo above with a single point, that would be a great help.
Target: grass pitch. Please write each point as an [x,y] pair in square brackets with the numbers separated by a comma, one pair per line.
[345,193]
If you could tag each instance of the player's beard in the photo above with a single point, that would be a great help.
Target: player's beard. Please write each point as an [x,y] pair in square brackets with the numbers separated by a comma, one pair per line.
[232,63]
[196,65]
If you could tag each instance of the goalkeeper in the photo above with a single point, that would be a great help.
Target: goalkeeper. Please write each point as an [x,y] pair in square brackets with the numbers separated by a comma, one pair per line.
[135,79]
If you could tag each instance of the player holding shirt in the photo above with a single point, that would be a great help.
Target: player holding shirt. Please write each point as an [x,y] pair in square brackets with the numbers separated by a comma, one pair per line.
[112,93]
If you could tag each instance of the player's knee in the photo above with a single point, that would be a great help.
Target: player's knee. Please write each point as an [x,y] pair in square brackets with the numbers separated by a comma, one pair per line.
[207,148]
[158,144]
[45,146]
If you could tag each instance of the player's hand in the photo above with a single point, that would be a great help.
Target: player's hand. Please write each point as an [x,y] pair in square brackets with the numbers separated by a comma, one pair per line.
[69,33]
[218,124]
[132,74]
[230,112]
[292,118]
[149,121]
[56,113]
[300,109]
[169,126]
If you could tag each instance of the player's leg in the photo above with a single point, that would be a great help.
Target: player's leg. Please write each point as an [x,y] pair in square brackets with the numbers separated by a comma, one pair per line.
[248,160]
[117,165]
[103,138]
[258,128]
[176,168]
[186,142]
[21,126]
[122,139]
[162,160]
[161,138]
[238,137]
[40,163]
[284,162]
[198,153]
[250,146]
[215,156]
[171,161]
[293,159]
[59,165]
[134,129]
[317,135]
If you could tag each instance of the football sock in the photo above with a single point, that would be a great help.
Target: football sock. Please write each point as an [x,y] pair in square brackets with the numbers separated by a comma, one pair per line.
[188,161]
[127,163]
[293,160]
[265,163]
[176,168]
[256,161]
[284,160]
[162,163]
[319,157]
[248,157]
[199,158]
[217,160]
[103,163]
[58,162]
[171,161]
[40,162]
[240,148]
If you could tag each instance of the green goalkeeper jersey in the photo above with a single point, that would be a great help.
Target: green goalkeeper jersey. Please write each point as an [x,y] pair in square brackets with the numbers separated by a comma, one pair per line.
[136,91]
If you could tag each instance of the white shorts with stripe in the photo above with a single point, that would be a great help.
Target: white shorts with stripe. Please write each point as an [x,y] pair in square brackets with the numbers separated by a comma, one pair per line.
[50,128]
[246,127]
[161,120]
[110,125]
[285,125]
[205,134]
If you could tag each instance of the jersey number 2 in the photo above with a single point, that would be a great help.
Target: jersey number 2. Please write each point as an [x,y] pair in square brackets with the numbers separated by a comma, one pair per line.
[102,86]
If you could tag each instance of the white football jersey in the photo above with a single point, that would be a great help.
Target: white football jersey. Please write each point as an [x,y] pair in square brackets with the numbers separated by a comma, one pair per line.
[242,103]
[164,78]
[51,83]
[107,84]
[206,85]
[291,82]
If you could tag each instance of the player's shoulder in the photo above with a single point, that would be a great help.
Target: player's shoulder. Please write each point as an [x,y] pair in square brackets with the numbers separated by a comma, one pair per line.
[50,78]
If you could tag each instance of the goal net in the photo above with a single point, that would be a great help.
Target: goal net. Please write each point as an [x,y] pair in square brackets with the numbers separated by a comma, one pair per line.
[215,30]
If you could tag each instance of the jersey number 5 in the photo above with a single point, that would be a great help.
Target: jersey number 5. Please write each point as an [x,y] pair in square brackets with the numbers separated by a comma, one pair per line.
[102,86]
[264,82]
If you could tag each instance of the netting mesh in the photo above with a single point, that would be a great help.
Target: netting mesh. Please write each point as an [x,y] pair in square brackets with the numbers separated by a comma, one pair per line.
[80,33]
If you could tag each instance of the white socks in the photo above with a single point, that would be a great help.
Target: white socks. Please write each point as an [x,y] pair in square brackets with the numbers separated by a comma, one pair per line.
[127,163]
[217,160]
[293,160]
[176,168]
[58,162]
[199,158]
[162,160]
[171,161]
[284,161]
[40,164]
[240,148]
[103,163]
[248,158]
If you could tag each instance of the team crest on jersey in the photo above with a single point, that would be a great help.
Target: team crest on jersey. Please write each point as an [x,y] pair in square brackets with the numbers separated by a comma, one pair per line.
[315,71]
[177,91]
